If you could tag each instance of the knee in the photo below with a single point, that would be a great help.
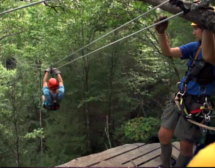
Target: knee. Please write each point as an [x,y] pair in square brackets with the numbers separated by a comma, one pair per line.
[186,148]
[165,135]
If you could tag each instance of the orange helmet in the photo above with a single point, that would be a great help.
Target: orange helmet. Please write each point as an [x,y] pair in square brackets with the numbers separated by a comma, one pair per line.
[53,84]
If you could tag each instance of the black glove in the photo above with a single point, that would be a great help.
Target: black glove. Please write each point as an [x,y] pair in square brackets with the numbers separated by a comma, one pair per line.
[160,28]
[47,70]
[56,71]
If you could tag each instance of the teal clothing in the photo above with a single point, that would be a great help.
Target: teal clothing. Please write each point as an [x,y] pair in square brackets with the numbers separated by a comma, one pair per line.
[48,101]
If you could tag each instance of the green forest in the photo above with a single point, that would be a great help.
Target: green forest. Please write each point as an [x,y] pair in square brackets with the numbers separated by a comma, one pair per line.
[112,97]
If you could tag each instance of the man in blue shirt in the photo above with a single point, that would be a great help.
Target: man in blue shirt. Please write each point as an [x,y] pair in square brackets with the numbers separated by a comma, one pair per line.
[208,50]
[53,90]
[195,89]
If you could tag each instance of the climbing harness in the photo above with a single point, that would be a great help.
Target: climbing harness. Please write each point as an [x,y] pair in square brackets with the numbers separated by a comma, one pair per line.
[202,74]
[54,98]
[203,113]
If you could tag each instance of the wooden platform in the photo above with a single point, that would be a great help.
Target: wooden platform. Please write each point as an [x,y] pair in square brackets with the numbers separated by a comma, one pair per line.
[129,155]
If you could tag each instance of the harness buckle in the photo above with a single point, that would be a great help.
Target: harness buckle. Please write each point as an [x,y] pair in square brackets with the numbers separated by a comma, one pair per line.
[207,118]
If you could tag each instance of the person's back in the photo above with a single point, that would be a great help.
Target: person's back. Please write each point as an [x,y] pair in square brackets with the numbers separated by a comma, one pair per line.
[50,94]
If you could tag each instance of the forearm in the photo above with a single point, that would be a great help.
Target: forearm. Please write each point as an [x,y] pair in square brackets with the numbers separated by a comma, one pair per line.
[208,46]
[164,44]
[60,78]
[45,77]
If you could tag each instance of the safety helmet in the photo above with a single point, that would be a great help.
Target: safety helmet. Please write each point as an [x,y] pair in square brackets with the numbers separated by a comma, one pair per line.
[193,24]
[53,84]
[204,158]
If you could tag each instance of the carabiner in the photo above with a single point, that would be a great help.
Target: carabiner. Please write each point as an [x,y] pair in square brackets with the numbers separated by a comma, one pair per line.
[203,91]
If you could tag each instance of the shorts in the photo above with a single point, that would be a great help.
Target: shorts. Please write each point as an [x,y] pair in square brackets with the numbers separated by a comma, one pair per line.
[174,120]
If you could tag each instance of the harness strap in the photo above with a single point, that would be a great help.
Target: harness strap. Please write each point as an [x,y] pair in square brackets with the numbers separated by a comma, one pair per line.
[196,56]
[192,65]
[194,112]
[54,98]
[55,105]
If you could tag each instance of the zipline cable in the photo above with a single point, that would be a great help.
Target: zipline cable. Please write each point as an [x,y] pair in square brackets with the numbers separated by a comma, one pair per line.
[123,38]
[32,4]
[113,31]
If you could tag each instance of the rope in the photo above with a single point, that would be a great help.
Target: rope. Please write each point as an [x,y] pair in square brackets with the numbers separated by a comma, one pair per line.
[114,30]
[32,4]
[123,38]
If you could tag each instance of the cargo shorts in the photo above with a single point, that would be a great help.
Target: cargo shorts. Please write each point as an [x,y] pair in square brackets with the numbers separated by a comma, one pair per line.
[174,120]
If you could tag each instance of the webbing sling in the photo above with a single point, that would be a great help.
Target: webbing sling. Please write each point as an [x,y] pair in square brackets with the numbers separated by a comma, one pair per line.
[192,65]
[196,56]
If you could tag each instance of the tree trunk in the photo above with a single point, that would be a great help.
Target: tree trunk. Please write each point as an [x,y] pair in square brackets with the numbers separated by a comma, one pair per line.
[17,142]
[194,16]
[111,76]
[40,110]
[86,68]
[86,89]
[15,123]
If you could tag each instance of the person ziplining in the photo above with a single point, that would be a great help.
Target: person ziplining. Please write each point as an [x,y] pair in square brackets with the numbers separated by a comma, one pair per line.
[53,90]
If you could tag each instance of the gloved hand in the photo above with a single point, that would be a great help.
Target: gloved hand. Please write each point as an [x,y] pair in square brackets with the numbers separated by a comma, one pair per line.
[56,71]
[160,28]
[47,70]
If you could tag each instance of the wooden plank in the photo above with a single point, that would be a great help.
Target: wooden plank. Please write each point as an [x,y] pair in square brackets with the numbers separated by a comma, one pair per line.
[106,155]
[152,163]
[140,152]
[175,153]
[96,158]
[176,145]
[143,159]
[125,157]
[157,162]
[108,164]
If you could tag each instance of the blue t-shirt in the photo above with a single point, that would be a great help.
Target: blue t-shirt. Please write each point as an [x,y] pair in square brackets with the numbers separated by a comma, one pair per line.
[189,52]
[48,97]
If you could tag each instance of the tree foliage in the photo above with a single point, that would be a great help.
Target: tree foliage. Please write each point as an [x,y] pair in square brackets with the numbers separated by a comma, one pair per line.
[112,96]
